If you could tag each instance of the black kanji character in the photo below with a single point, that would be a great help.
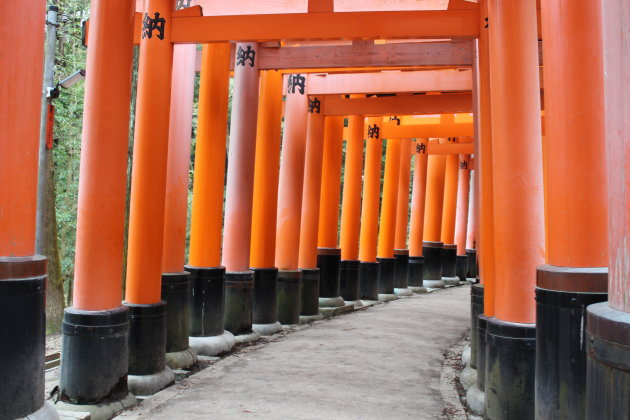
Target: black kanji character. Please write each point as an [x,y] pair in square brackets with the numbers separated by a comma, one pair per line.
[297,81]
[314,105]
[243,55]
[463,164]
[421,148]
[373,131]
[149,25]
[394,118]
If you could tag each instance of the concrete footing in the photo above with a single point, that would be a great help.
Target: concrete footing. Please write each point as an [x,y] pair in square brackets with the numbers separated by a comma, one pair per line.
[386,297]
[331,302]
[451,281]
[142,385]
[267,329]
[181,359]
[476,400]
[247,338]
[46,412]
[103,411]
[468,377]
[307,319]
[433,284]
[356,303]
[406,292]
[418,289]
[214,345]
[367,302]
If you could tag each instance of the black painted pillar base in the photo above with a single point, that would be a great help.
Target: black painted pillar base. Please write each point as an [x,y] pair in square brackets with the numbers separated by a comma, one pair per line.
[176,294]
[147,338]
[207,301]
[449,265]
[368,280]
[239,302]
[562,295]
[510,369]
[386,274]
[608,363]
[461,267]
[482,323]
[289,296]
[401,268]
[94,355]
[328,262]
[473,268]
[349,280]
[22,335]
[415,274]
[265,295]
[476,309]
[432,252]
[309,292]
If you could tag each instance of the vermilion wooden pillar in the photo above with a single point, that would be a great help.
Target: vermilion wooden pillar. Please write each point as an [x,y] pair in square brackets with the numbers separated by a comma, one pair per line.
[368,270]
[22,273]
[462,219]
[207,276]
[471,232]
[575,275]
[387,222]
[263,246]
[607,339]
[307,259]
[147,311]
[239,192]
[449,212]
[93,365]
[518,208]
[416,226]
[328,254]
[176,281]
[351,211]
[290,199]
[401,253]
[432,247]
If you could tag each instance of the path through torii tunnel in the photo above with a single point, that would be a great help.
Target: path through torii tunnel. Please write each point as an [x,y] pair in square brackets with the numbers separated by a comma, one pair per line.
[373,150]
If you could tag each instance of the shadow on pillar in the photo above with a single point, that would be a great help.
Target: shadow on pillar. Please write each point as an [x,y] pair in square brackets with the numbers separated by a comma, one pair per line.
[289,296]
[432,252]
[476,309]
[207,335]
[473,269]
[415,274]
[562,295]
[401,273]
[608,363]
[239,305]
[309,295]
[449,265]
[176,294]
[349,282]
[368,281]
[329,262]
[461,267]
[386,274]
[265,318]
[510,368]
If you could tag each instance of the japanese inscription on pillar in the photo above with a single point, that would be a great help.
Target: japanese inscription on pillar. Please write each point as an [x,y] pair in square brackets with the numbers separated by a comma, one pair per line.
[395,118]
[463,164]
[421,148]
[314,105]
[373,131]
[296,81]
[243,55]
[156,24]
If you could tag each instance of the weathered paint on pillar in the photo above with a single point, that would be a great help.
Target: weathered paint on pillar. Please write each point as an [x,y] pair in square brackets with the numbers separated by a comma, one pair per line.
[239,190]
[331,183]
[402,202]
[463,193]
[146,213]
[471,232]
[207,202]
[263,245]
[291,174]
[312,184]
[436,165]
[449,206]
[416,228]
[371,191]
[516,158]
[351,203]
[387,225]
[178,166]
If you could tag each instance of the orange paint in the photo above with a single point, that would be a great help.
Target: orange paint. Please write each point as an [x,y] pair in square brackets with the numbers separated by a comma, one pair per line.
[371,192]
[207,202]
[424,130]
[312,188]
[178,169]
[416,227]
[291,180]
[263,245]
[517,185]
[400,105]
[331,183]
[239,186]
[463,193]
[402,202]
[22,55]
[577,205]
[387,225]
[436,165]
[449,205]
[351,203]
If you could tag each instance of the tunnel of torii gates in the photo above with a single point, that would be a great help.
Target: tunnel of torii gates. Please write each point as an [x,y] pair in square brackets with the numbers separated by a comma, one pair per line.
[548,214]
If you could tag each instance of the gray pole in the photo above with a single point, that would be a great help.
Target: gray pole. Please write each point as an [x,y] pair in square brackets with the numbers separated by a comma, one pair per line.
[43,166]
